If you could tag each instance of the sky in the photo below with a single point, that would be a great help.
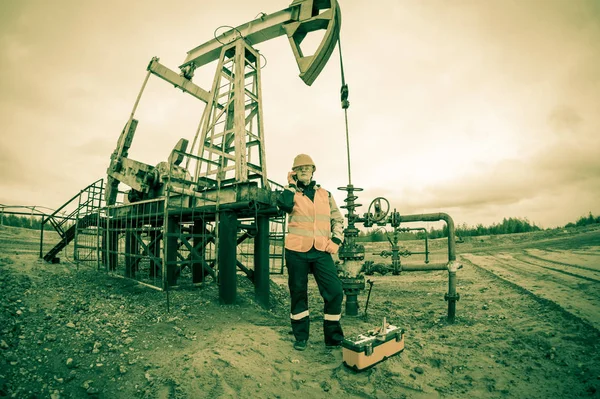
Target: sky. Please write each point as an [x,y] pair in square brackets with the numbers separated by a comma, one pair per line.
[483,109]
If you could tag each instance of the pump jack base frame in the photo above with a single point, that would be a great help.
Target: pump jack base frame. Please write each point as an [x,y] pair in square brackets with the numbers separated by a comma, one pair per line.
[365,351]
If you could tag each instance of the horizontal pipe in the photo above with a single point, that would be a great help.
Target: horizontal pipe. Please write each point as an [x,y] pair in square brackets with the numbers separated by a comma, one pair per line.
[424,268]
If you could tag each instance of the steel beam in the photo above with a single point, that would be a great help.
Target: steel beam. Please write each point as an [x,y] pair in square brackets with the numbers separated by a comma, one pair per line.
[178,81]
[198,231]
[261,261]
[226,244]
[253,32]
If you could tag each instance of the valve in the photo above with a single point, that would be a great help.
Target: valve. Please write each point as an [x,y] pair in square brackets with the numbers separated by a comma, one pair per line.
[406,253]
[395,219]
[379,213]
[383,254]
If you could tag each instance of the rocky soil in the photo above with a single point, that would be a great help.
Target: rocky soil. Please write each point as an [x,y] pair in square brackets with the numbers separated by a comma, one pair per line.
[521,331]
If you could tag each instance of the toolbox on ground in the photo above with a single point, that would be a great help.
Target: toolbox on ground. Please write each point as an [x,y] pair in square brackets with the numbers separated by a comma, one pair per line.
[376,345]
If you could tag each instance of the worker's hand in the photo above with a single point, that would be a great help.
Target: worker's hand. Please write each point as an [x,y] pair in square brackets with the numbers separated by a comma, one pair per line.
[332,247]
[292,178]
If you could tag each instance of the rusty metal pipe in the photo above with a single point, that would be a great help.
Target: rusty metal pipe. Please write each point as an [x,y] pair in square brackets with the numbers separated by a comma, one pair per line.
[452,296]
[424,268]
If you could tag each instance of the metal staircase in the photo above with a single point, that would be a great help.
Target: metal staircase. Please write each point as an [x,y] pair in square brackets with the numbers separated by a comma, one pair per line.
[85,213]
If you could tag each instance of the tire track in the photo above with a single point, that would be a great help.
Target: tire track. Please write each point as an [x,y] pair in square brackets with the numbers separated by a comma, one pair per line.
[551,286]
[586,253]
[552,304]
[520,259]
[535,276]
[562,263]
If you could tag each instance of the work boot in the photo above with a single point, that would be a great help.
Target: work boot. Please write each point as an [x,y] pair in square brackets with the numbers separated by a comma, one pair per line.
[300,345]
[333,345]
[333,334]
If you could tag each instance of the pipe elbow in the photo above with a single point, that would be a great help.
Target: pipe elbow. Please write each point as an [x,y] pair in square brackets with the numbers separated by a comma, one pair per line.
[447,218]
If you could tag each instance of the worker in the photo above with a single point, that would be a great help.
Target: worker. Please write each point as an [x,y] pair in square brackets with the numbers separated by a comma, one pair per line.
[315,232]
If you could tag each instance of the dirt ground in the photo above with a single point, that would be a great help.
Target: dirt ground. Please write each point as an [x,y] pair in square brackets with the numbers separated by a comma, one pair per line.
[527,326]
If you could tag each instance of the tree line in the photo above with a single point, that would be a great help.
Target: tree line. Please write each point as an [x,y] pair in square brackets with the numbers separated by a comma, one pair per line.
[584,221]
[508,226]
[28,222]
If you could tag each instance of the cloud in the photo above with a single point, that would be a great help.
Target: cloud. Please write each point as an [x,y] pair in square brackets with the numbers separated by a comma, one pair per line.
[473,106]
[10,165]
[524,187]
[95,147]
[565,119]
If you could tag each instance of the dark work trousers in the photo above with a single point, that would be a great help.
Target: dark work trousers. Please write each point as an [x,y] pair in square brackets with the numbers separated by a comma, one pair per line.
[321,265]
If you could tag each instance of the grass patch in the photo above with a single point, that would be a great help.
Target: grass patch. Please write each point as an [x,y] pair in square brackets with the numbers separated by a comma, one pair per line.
[6,261]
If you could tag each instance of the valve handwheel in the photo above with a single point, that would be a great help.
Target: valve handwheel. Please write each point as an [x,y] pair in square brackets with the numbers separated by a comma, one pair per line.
[379,213]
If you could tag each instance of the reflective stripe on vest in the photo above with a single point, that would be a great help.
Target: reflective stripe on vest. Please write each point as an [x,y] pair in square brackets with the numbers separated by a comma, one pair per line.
[309,223]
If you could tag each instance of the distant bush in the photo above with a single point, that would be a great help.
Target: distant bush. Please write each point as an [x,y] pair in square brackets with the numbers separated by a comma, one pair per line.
[584,221]
[373,235]
[379,234]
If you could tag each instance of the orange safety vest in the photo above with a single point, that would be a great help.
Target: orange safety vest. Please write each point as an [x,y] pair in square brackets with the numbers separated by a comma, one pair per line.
[309,223]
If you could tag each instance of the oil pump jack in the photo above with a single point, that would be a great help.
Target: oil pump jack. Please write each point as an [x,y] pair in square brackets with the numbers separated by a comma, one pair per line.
[221,180]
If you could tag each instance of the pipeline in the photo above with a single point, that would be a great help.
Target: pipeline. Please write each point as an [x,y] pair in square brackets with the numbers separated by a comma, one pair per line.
[424,268]
[452,296]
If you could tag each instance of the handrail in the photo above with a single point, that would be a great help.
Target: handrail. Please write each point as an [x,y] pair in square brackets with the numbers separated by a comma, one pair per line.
[75,196]
[74,215]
